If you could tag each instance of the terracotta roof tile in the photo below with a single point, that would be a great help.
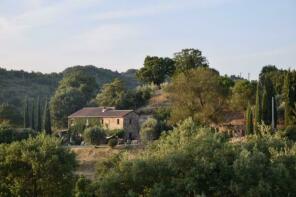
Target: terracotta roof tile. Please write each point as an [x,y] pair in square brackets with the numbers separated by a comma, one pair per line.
[99,112]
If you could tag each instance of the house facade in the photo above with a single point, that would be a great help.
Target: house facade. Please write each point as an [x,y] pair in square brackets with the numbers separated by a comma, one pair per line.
[108,118]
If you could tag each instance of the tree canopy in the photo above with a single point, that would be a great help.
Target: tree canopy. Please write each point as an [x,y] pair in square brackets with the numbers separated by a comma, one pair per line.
[156,70]
[187,59]
[36,167]
[198,94]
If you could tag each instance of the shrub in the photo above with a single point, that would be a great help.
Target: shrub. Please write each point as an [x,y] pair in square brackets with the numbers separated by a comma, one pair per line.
[94,135]
[83,187]
[112,142]
[148,130]
[9,134]
[196,161]
[290,132]
[37,166]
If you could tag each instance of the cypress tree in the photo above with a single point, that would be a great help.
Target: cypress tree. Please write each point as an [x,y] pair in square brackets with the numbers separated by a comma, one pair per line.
[249,121]
[264,107]
[275,112]
[287,99]
[33,116]
[38,118]
[258,107]
[26,114]
[47,120]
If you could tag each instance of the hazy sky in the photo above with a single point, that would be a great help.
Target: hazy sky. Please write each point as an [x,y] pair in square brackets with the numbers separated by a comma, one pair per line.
[237,36]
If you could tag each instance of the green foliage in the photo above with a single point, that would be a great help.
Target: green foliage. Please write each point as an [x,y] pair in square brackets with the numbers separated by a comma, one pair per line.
[112,94]
[289,94]
[149,130]
[33,125]
[188,59]
[9,134]
[198,94]
[290,132]
[11,114]
[112,142]
[26,114]
[64,103]
[47,119]
[17,85]
[116,95]
[258,107]
[94,135]
[38,118]
[36,167]
[195,161]
[83,187]
[243,93]
[116,132]
[249,121]
[156,70]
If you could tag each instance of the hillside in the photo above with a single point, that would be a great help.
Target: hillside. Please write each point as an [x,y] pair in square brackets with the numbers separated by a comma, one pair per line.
[16,85]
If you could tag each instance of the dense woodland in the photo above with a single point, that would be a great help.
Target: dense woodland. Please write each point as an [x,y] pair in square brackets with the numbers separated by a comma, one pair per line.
[185,154]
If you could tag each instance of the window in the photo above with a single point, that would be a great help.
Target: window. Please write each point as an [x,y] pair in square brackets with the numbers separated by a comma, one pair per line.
[130,121]
[102,121]
[118,121]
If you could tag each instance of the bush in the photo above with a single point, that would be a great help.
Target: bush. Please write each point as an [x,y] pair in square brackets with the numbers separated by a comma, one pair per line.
[290,132]
[9,134]
[112,142]
[94,135]
[148,130]
[196,161]
[83,187]
[37,166]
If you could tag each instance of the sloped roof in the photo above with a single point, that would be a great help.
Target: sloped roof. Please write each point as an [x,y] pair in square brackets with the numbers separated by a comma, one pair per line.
[99,112]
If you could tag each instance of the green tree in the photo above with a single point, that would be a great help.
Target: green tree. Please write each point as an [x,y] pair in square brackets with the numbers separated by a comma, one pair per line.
[156,70]
[149,130]
[243,93]
[94,135]
[38,118]
[172,166]
[11,114]
[37,167]
[265,110]
[288,99]
[33,126]
[26,114]
[64,103]
[112,94]
[249,121]
[83,187]
[188,59]
[198,94]
[73,93]
[47,119]
[258,107]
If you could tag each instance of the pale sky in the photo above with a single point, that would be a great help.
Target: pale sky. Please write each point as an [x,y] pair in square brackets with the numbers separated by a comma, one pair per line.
[237,36]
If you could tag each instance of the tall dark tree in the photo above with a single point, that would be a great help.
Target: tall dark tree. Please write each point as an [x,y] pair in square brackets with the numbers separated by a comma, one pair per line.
[33,126]
[47,119]
[258,107]
[268,94]
[249,121]
[38,117]
[264,107]
[288,99]
[26,114]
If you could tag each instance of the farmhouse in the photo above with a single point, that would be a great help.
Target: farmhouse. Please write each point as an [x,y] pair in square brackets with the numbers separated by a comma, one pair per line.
[108,118]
